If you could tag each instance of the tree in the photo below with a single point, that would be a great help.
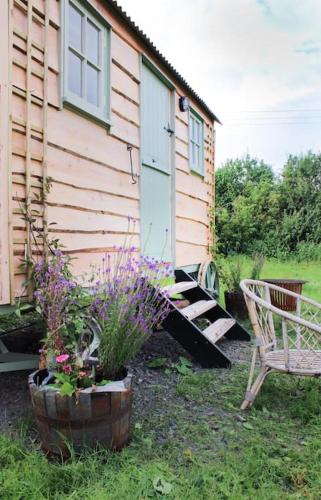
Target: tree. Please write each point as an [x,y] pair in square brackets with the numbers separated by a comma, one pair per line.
[237,176]
[246,204]
[256,211]
[301,199]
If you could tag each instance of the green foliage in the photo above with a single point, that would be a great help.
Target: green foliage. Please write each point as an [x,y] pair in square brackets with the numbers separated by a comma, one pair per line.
[157,362]
[301,198]
[258,263]
[230,273]
[238,176]
[272,268]
[257,211]
[308,251]
[184,366]
[66,383]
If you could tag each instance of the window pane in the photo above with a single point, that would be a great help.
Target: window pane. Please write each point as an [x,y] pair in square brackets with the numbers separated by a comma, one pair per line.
[198,133]
[196,144]
[197,161]
[92,43]
[74,73]
[193,129]
[75,19]
[92,85]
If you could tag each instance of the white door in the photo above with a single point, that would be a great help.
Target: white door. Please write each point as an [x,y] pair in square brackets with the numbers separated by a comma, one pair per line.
[156,175]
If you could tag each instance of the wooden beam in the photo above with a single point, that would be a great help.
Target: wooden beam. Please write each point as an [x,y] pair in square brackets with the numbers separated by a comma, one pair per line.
[4,154]
[45,127]
[28,132]
[10,201]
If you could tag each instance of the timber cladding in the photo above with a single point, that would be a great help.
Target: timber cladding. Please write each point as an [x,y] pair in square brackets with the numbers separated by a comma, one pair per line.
[92,192]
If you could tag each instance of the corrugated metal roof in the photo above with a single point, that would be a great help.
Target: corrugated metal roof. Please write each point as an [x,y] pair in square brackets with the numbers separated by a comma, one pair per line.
[144,38]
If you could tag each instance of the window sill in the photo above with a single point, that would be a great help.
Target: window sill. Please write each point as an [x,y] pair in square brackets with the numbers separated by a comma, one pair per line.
[100,120]
[198,174]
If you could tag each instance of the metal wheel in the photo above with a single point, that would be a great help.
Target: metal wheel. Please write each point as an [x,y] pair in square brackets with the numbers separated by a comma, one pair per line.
[208,278]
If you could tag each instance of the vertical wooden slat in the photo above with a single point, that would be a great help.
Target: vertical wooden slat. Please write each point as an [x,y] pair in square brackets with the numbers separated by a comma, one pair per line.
[298,327]
[10,201]
[212,190]
[270,315]
[4,154]
[45,124]
[28,129]
[89,419]
[285,343]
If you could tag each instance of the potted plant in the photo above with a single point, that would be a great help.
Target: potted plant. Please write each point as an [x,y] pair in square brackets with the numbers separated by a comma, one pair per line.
[84,396]
[231,275]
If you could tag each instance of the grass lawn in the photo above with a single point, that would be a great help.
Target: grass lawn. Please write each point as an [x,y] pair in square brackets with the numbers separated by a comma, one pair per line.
[309,271]
[201,447]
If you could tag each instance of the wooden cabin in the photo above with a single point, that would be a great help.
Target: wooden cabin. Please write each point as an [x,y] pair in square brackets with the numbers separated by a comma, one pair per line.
[87,101]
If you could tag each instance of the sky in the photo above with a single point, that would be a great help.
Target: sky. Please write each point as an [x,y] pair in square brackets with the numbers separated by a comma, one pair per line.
[256,63]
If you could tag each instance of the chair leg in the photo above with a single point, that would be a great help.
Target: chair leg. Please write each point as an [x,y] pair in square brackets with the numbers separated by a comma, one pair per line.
[253,391]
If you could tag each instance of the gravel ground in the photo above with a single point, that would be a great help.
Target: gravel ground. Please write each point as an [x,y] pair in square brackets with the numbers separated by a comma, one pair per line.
[151,385]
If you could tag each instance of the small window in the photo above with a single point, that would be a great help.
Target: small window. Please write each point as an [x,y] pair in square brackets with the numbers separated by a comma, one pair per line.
[196,147]
[86,60]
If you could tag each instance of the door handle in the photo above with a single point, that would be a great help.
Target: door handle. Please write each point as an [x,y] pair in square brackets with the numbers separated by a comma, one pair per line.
[169,130]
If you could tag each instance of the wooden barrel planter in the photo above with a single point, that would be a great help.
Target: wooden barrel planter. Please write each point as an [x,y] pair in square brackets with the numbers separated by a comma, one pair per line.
[235,304]
[100,416]
[281,300]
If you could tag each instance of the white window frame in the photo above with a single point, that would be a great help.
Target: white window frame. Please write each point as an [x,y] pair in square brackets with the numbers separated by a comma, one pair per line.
[101,112]
[196,144]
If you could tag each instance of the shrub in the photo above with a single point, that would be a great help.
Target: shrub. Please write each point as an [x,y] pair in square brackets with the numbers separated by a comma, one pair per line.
[231,274]
[308,251]
[127,306]
[258,263]
[257,211]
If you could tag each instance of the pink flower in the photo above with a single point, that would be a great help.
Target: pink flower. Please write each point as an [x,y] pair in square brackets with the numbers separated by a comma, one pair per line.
[62,358]
[67,369]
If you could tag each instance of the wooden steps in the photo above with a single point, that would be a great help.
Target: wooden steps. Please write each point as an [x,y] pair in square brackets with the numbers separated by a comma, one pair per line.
[183,286]
[201,344]
[218,329]
[198,308]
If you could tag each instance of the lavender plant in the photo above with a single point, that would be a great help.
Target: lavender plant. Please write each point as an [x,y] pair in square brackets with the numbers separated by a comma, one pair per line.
[56,295]
[58,298]
[127,305]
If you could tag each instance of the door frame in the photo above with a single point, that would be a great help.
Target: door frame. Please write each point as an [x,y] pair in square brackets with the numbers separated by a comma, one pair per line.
[145,61]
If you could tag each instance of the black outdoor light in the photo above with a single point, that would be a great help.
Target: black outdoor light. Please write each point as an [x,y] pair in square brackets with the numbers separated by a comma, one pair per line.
[183,103]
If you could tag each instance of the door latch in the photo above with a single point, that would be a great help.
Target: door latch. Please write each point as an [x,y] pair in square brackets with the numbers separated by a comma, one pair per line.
[169,130]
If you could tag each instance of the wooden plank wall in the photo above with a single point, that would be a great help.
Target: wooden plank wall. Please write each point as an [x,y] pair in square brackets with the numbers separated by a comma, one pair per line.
[194,194]
[92,193]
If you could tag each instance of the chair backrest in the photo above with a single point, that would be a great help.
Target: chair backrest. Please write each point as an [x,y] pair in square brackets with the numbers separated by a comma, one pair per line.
[301,330]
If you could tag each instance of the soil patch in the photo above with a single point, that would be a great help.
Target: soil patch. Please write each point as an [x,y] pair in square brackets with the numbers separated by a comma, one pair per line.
[155,389]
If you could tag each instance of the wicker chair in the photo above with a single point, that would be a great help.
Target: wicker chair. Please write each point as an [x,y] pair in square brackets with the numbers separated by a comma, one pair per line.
[285,342]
